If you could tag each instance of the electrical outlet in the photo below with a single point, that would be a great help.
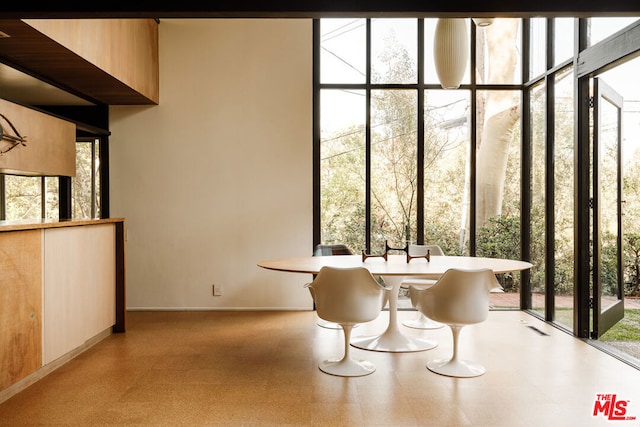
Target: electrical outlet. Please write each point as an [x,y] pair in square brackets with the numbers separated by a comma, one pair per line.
[217,290]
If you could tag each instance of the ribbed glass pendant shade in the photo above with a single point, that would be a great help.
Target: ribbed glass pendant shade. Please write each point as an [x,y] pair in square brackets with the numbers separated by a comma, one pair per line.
[451,51]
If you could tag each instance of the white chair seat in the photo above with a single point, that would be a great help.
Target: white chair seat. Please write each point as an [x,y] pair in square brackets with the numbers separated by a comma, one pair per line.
[421,321]
[458,298]
[347,296]
[326,250]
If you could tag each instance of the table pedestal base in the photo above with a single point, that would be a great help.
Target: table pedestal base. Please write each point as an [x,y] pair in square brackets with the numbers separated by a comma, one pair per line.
[393,340]
[394,343]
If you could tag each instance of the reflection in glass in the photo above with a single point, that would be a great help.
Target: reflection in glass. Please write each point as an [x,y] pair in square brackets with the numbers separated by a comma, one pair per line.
[342,50]
[498,58]
[446,170]
[393,167]
[537,105]
[342,168]
[608,203]
[394,51]
[564,174]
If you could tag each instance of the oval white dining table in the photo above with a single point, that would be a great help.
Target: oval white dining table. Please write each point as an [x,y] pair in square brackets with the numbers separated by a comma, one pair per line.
[394,270]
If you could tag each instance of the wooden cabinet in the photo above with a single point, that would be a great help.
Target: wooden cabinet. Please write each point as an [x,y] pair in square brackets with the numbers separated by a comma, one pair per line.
[20,305]
[79,286]
[61,289]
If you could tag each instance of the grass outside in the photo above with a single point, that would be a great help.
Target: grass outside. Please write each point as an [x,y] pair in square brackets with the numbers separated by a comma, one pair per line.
[628,329]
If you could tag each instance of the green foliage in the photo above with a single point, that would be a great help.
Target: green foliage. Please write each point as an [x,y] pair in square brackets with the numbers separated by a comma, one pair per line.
[23,195]
[609,265]
[500,238]
[82,183]
[632,265]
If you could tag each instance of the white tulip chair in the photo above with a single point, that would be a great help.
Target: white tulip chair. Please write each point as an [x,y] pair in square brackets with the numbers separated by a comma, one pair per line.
[347,296]
[459,298]
[327,250]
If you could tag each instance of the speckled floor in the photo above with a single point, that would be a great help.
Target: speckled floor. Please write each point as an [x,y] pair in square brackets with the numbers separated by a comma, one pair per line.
[260,369]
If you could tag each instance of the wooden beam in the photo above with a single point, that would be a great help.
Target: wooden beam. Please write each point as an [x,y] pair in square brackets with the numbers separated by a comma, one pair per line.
[119,66]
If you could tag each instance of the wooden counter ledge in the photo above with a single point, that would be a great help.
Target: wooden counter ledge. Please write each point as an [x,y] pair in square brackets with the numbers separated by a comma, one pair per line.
[53,223]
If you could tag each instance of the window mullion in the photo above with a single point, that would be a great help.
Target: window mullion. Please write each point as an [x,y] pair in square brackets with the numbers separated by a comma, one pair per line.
[368,140]
[420,139]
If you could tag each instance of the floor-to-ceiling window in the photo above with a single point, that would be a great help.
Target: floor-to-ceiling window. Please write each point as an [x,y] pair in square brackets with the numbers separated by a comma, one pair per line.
[403,160]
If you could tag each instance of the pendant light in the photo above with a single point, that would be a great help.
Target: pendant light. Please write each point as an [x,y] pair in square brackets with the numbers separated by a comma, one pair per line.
[483,22]
[451,51]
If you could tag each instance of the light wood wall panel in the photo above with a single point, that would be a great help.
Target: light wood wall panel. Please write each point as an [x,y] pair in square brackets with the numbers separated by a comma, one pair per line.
[127,49]
[20,305]
[50,148]
[79,290]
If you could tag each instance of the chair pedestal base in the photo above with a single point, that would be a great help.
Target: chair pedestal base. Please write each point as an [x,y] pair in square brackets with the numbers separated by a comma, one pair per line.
[456,368]
[422,322]
[347,367]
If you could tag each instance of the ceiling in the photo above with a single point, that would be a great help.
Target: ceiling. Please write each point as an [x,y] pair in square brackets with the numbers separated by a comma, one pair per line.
[314,8]
[37,70]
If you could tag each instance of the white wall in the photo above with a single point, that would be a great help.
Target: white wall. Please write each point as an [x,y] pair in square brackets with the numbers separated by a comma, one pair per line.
[218,176]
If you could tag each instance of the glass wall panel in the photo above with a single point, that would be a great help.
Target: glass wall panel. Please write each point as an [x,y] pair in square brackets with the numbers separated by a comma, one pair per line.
[563,41]
[85,185]
[623,79]
[393,167]
[342,168]
[608,173]
[23,197]
[564,175]
[601,28]
[81,183]
[538,51]
[498,52]
[446,170]
[52,210]
[538,126]
[394,51]
[498,183]
[343,50]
